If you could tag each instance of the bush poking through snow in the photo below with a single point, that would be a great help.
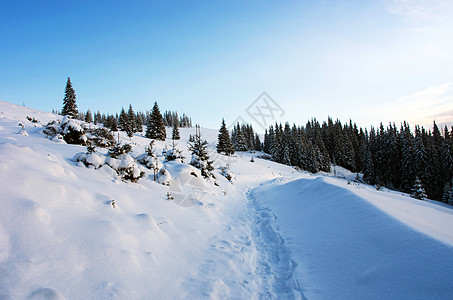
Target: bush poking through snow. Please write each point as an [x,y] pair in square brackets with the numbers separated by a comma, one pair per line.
[226,173]
[76,132]
[71,131]
[118,149]
[101,137]
[164,177]
[91,149]
[127,167]
[173,154]
[33,120]
[124,165]
[149,161]
[149,158]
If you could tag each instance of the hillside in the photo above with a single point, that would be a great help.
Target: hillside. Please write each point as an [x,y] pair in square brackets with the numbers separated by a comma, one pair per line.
[272,232]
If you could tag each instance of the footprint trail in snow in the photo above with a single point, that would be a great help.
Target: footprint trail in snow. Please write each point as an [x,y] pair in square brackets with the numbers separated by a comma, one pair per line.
[249,260]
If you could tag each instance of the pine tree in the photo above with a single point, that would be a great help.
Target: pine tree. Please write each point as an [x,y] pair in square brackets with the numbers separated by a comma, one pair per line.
[200,158]
[138,123]
[368,171]
[257,143]
[247,132]
[97,117]
[69,102]
[111,123]
[272,144]
[175,133]
[240,143]
[131,120]
[88,117]
[447,196]
[286,145]
[407,170]
[174,153]
[122,120]
[312,160]
[156,129]
[418,192]
[224,144]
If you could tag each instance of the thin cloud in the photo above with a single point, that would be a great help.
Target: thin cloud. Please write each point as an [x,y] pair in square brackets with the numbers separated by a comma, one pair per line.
[421,9]
[432,104]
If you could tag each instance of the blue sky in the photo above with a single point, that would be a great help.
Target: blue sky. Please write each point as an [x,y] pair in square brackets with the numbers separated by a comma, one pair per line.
[370,61]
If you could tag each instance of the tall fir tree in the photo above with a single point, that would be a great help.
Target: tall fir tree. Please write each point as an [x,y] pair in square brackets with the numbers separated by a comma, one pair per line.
[138,123]
[122,120]
[88,117]
[69,101]
[257,143]
[98,117]
[111,123]
[156,128]
[175,133]
[131,120]
[224,144]
[447,195]
[240,143]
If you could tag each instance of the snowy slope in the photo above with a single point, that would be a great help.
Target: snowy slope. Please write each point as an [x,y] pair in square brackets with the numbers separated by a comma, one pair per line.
[61,238]
[347,248]
[274,233]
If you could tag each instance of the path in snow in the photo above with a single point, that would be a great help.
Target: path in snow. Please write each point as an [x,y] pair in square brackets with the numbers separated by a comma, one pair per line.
[249,258]
[274,265]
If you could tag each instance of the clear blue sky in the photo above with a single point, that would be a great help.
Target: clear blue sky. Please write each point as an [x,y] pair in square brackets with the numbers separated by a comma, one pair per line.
[366,60]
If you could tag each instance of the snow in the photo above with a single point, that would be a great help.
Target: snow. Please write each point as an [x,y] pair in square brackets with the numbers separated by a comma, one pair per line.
[339,239]
[270,233]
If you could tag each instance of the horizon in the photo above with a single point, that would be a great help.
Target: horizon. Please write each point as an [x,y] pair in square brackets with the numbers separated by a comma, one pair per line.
[368,62]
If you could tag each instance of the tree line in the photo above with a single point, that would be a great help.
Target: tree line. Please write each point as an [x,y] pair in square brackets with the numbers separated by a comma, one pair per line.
[127,121]
[389,157]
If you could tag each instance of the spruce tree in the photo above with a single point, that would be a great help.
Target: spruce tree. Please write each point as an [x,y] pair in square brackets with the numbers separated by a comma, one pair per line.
[224,144]
[122,120]
[175,133]
[156,129]
[69,102]
[174,153]
[88,117]
[240,143]
[200,158]
[257,143]
[418,192]
[368,171]
[97,118]
[111,123]
[138,123]
[447,196]
[131,120]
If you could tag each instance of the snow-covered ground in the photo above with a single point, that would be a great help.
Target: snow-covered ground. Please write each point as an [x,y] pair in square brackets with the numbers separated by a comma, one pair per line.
[274,233]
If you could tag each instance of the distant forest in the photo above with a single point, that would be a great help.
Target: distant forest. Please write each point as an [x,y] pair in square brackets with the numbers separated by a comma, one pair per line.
[170,118]
[389,157]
